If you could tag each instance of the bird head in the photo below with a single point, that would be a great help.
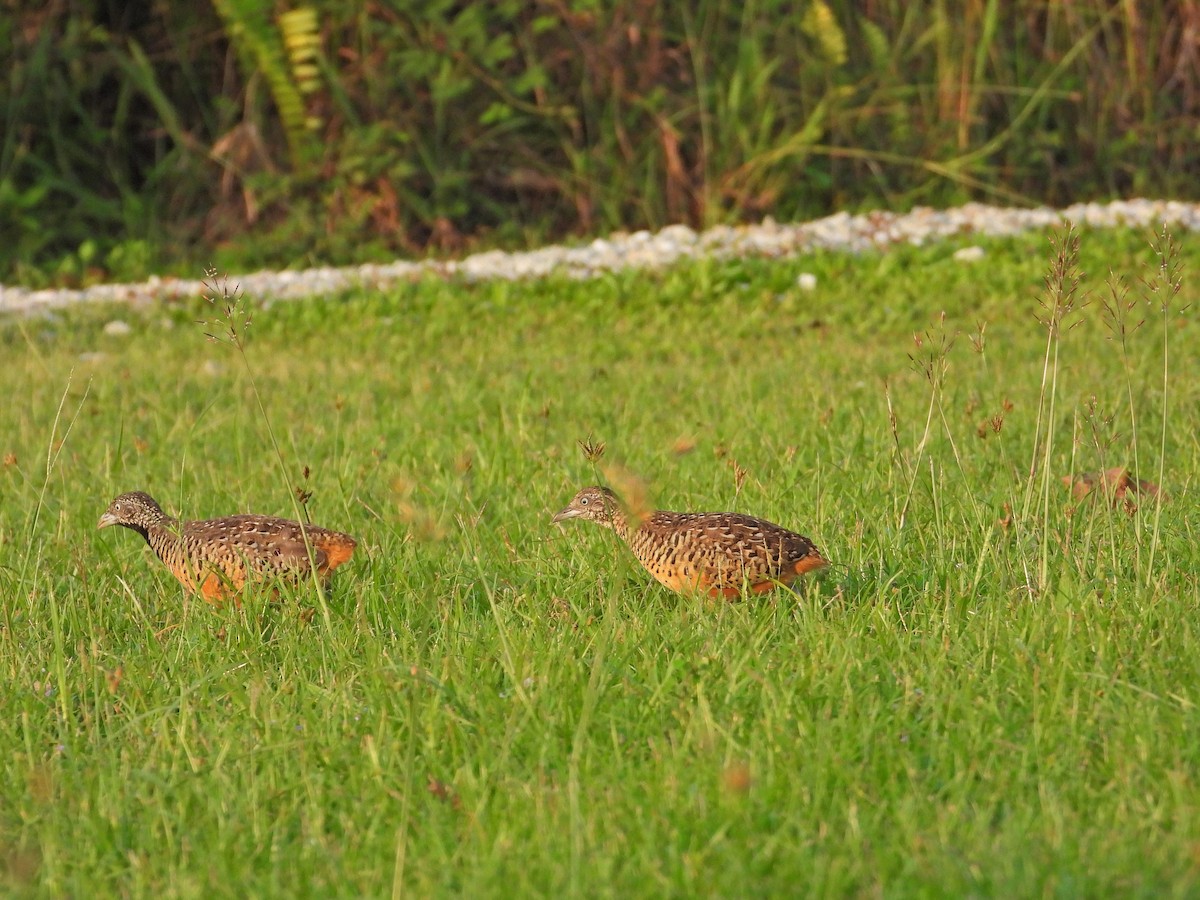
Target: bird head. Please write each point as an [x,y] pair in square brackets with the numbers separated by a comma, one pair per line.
[597,504]
[135,510]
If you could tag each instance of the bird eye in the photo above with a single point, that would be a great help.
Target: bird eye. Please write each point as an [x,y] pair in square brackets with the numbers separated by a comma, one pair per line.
[583,501]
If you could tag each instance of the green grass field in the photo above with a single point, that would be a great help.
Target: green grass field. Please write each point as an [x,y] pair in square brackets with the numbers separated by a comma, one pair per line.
[991,692]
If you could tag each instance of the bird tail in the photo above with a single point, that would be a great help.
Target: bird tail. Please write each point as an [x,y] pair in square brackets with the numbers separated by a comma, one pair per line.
[337,547]
[814,560]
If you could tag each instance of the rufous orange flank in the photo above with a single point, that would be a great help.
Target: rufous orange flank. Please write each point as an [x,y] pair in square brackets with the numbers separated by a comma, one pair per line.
[217,557]
[721,554]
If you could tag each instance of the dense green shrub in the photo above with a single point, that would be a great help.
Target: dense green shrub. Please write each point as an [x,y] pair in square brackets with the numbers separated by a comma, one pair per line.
[375,128]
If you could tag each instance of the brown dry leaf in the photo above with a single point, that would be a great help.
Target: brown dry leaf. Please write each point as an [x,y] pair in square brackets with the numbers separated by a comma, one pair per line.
[683,446]
[443,792]
[10,459]
[560,609]
[464,462]
[1006,519]
[1116,483]
[737,778]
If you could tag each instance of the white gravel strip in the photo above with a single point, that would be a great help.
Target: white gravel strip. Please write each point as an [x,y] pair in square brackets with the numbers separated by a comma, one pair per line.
[643,250]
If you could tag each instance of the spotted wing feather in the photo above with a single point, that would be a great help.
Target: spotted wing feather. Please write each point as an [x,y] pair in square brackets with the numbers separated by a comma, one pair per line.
[218,556]
[721,553]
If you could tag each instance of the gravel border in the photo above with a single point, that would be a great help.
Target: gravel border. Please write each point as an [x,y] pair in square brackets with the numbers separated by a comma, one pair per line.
[643,250]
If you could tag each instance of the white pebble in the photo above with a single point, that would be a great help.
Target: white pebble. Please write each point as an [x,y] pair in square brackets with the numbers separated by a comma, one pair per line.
[841,232]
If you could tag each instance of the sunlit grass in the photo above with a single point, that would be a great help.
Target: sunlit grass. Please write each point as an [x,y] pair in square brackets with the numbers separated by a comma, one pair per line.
[982,695]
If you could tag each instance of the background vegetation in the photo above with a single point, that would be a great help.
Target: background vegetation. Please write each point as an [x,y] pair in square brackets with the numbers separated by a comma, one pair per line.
[144,136]
[993,691]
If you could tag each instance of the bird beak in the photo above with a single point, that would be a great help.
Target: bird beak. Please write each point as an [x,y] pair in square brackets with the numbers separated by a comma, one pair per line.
[106,520]
[569,513]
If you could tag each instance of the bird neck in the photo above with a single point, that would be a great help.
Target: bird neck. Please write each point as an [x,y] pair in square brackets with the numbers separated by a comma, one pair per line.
[140,529]
[159,531]
[619,523]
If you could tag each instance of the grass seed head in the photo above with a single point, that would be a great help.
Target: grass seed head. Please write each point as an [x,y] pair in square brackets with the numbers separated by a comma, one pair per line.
[592,451]
[233,315]
[1061,298]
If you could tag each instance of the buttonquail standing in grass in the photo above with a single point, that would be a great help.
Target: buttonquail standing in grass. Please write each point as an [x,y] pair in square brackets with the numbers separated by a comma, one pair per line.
[721,554]
[217,557]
